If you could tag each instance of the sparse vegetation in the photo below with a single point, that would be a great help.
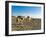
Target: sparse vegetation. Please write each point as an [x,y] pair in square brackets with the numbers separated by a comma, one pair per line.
[21,23]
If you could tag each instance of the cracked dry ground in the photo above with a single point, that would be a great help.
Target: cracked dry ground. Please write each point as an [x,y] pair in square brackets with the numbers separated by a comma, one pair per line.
[34,24]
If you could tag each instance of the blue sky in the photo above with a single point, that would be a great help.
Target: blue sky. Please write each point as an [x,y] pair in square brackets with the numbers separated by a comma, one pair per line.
[26,11]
